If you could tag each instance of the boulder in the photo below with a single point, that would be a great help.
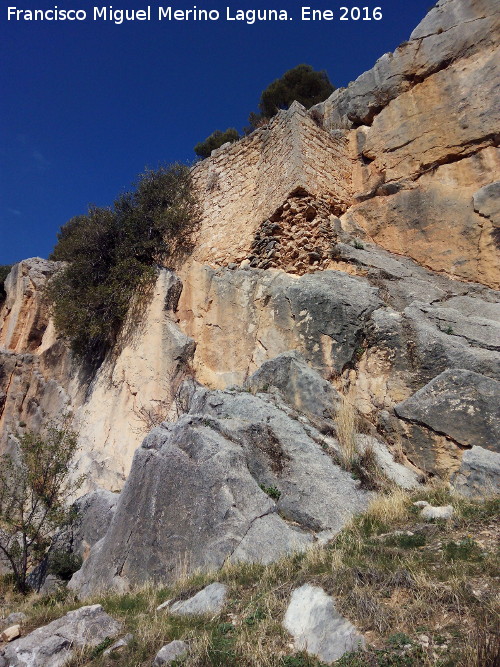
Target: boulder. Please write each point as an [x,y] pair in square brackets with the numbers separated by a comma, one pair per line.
[317,627]
[170,652]
[429,512]
[235,479]
[119,644]
[11,633]
[210,600]
[479,474]
[54,644]
[459,404]
[301,386]
[16,618]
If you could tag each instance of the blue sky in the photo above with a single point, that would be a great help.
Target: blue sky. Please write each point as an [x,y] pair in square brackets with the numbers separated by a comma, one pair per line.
[85,106]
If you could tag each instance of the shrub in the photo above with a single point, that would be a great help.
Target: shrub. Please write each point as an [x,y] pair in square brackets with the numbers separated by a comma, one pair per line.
[64,564]
[216,140]
[4,272]
[272,491]
[35,485]
[112,254]
[302,83]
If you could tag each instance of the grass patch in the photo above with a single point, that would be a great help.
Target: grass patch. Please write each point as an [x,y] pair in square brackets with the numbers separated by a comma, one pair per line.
[391,575]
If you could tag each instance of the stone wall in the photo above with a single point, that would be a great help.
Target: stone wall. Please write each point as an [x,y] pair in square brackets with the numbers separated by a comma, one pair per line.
[241,185]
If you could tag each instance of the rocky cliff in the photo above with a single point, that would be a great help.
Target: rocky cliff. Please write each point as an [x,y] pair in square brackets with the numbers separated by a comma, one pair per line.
[352,249]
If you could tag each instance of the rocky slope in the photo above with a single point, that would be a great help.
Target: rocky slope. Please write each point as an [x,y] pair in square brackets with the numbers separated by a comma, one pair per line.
[364,241]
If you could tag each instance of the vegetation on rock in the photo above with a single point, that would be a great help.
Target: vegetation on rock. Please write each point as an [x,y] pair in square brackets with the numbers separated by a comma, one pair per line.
[216,140]
[36,483]
[302,83]
[112,255]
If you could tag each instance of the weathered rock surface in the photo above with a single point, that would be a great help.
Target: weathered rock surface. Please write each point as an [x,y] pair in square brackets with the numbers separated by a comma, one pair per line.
[16,618]
[459,404]
[94,512]
[170,652]
[210,600]
[479,474]
[54,644]
[119,644]
[24,315]
[407,158]
[110,409]
[402,475]
[487,202]
[301,386]
[210,468]
[10,633]
[453,29]
[91,516]
[245,317]
[317,627]
[423,125]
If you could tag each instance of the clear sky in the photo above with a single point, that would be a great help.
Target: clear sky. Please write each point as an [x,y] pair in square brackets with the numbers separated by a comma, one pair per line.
[85,106]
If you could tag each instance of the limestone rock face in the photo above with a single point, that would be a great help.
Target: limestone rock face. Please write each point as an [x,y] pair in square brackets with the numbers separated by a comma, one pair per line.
[113,410]
[244,317]
[24,316]
[461,404]
[353,247]
[452,30]
[54,644]
[92,514]
[300,385]
[263,486]
[479,474]
[317,627]
[426,119]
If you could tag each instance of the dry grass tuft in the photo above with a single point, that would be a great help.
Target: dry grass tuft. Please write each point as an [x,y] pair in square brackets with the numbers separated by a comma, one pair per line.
[389,509]
[393,577]
[346,422]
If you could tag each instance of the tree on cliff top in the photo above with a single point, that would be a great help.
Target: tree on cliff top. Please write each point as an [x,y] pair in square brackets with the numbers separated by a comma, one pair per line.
[36,484]
[302,83]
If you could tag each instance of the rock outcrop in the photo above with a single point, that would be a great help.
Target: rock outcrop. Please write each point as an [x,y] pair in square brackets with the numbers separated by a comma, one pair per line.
[113,408]
[54,644]
[479,474]
[263,483]
[423,125]
[317,627]
[352,249]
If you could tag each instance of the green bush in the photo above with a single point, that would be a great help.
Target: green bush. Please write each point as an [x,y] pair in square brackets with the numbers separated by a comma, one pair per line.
[215,140]
[112,255]
[64,564]
[36,483]
[302,83]
[4,272]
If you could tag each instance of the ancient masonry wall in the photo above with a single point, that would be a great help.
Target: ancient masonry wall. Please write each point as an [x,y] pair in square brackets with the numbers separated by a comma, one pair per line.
[241,185]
